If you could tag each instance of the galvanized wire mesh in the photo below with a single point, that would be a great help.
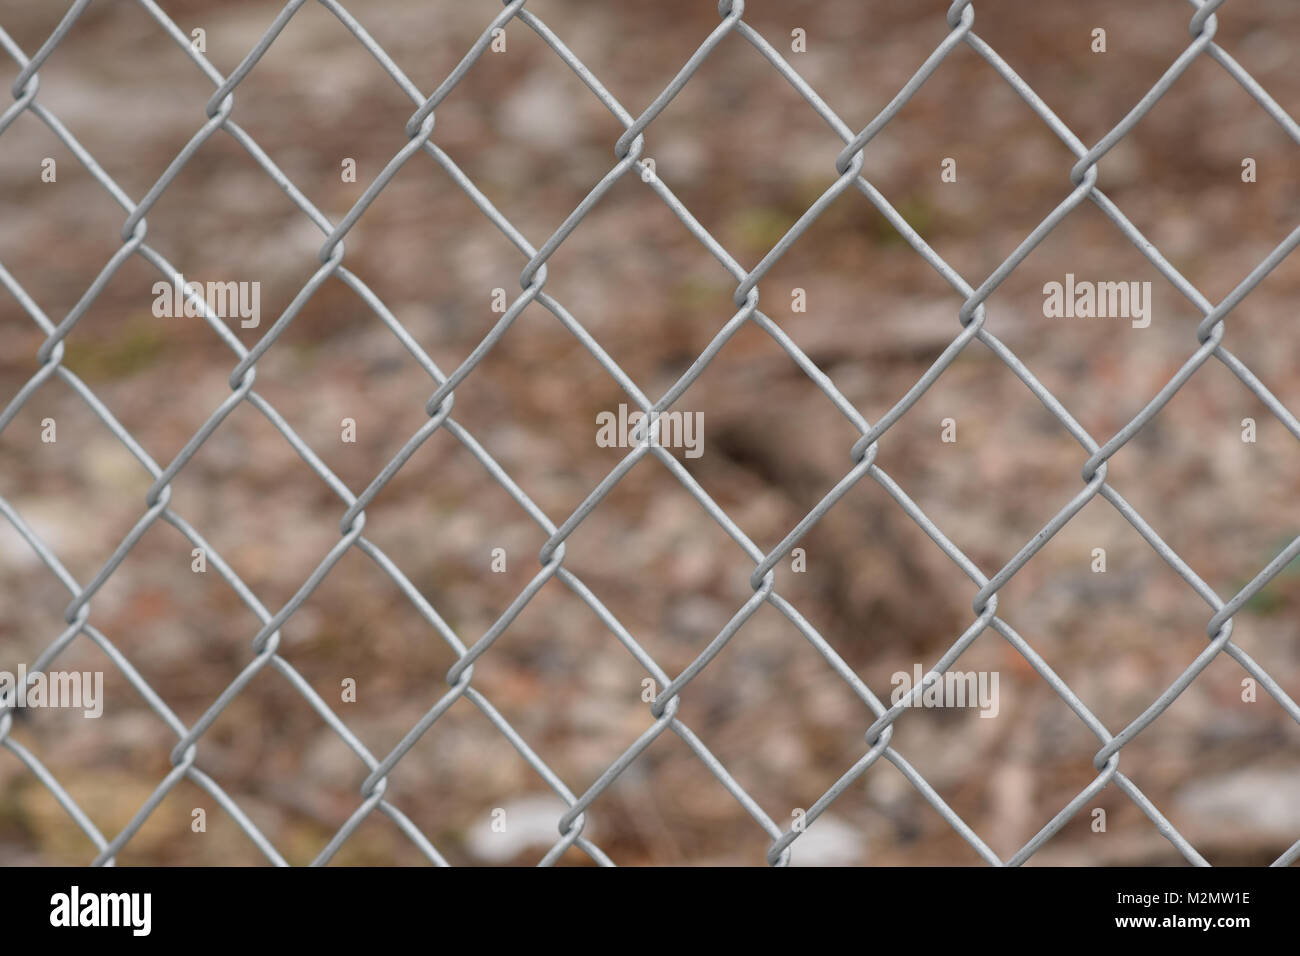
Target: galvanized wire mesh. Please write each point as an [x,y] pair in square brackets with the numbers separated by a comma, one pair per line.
[971,326]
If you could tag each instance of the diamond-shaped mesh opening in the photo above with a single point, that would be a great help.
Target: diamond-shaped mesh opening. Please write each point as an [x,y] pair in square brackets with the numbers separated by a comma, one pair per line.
[1215,763]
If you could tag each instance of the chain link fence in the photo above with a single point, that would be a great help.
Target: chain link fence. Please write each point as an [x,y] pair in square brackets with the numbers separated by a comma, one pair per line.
[972,329]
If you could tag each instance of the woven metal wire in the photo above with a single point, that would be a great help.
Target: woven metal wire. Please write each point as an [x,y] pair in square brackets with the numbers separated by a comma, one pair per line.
[970,326]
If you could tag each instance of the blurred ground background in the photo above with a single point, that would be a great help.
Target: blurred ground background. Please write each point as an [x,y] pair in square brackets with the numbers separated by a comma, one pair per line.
[747,156]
